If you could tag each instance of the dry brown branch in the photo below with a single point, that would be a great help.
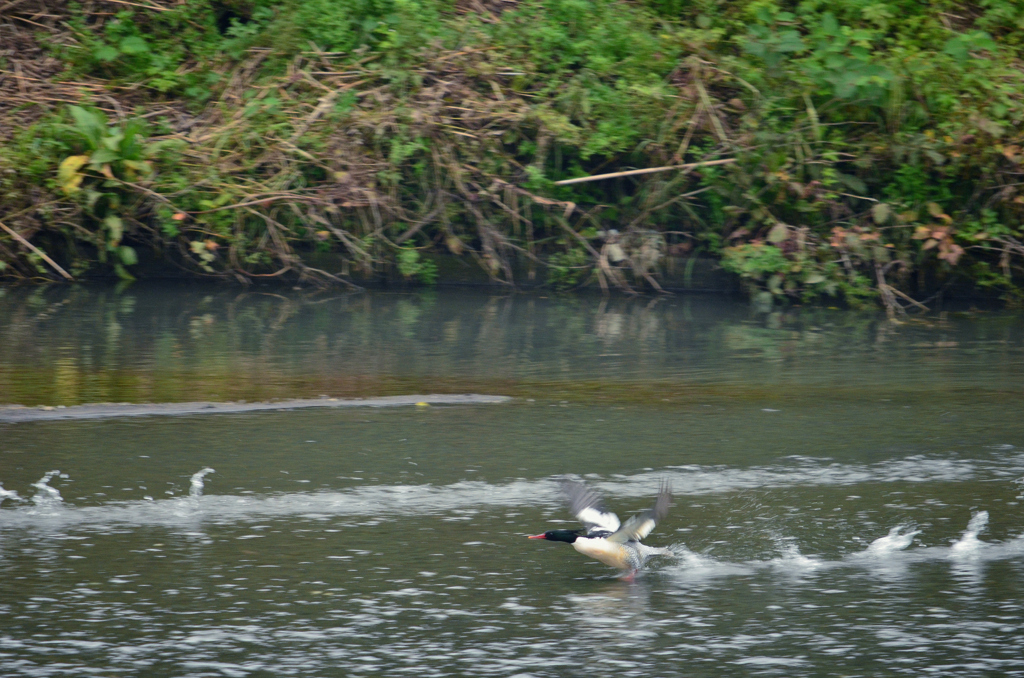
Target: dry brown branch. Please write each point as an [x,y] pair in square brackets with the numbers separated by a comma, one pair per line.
[415,228]
[257,201]
[885,292]
[646,170]
[691,126]
[42,255]
[11,5]
[913,301]
[322,107]
[136,4]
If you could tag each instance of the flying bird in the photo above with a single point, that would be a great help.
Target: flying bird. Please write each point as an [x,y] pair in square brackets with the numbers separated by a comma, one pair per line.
[604,538]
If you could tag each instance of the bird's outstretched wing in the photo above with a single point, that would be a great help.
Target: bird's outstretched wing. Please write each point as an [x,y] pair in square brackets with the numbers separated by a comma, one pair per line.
[588,507]
[640,525]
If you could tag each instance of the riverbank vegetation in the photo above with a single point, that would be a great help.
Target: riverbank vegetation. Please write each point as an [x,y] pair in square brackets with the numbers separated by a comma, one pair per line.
[875,147]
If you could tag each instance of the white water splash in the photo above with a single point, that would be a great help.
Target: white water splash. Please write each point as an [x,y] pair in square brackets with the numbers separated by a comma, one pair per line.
[792,559]
[8,494]
[969,545]
[385,502]
[689,559]
[46,495]
[896,540]
[196,484]
[691,568]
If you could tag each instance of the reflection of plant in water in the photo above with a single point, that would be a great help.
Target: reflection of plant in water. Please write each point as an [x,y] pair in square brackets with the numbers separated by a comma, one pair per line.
[258,346]
[408,314]
[751,341]
[199,325]
[609,325]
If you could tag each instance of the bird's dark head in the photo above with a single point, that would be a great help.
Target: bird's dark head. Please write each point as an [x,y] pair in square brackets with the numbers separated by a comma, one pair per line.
[568,536]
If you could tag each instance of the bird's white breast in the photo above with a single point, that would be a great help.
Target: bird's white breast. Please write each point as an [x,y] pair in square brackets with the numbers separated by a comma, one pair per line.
[603,550]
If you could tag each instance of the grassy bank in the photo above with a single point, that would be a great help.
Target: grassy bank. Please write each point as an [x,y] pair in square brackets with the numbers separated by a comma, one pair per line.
[875,147]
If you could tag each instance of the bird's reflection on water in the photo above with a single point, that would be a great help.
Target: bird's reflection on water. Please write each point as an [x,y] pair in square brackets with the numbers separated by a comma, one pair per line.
[614,626]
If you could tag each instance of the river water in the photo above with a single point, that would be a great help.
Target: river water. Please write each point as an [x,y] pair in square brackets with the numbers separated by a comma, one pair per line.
[848,492]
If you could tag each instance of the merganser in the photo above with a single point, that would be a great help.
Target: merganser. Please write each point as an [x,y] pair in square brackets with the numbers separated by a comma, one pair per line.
[605,539]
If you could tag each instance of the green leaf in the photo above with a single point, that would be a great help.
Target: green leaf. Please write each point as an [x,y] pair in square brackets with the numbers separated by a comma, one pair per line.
[853,183]
[170,229]
[132,143]
[106,53]
[115,227]
[143,166]
[103,156]
[836,62]
[90,124]
[91,198]
[779,233]
[880,213]
[408,262]
[829,24]
[112,140]
[790,41]
[133,45]
[128,255]
[122,273]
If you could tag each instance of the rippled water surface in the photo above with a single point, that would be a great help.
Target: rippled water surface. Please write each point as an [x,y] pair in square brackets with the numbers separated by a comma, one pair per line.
[848,493]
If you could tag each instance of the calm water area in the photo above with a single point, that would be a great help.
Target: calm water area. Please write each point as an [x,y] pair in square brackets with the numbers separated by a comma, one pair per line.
[848,493]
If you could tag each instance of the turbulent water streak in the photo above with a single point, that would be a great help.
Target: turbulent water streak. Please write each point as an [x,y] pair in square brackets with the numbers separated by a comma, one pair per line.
[392,500]
[339,610]
[17,414]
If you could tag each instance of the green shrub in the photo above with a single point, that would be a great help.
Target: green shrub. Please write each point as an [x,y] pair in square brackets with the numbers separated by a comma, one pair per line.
[876,142]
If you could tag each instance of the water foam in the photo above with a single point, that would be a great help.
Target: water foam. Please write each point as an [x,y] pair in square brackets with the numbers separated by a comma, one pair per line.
[196,484]
[689,566]
[375,500]
[888,556]
[792,560]
[384,502]
[803,471]
[969,546]
[896,540]
[45,495]
[8,494]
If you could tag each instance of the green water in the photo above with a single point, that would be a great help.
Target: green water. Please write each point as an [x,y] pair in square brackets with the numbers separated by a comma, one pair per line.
[392,541]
